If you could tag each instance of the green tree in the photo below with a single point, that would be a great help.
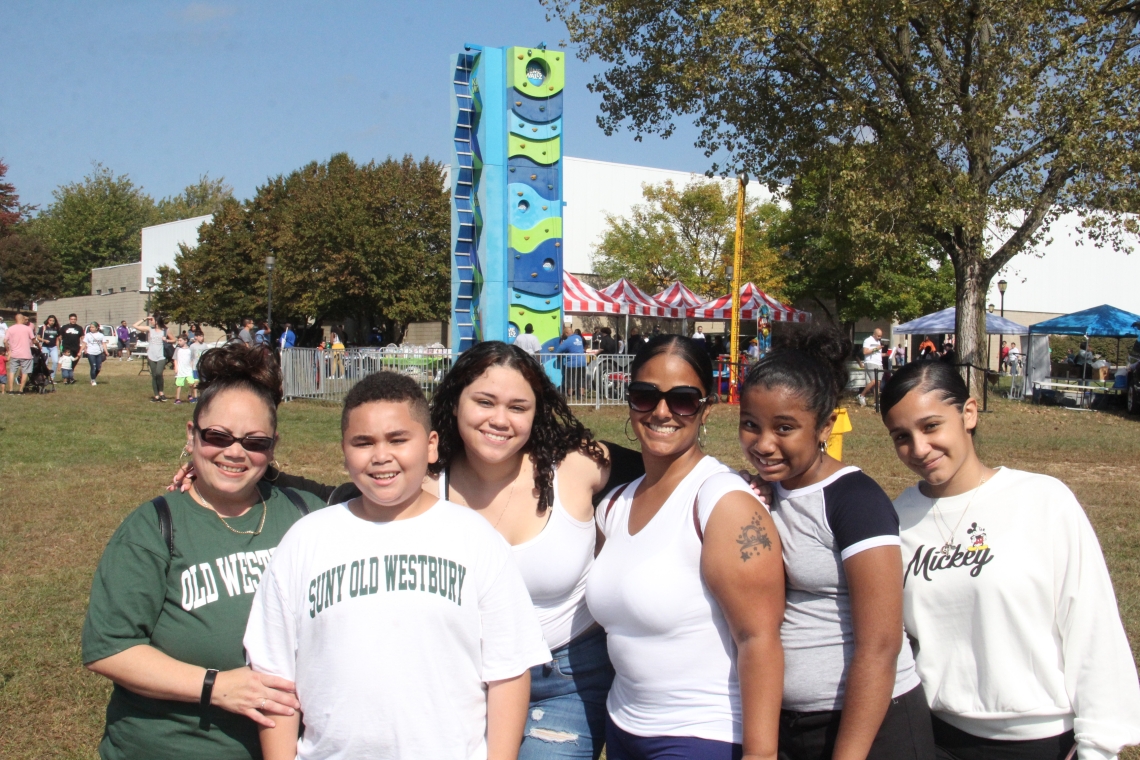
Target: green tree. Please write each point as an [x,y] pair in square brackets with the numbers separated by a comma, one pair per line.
[29,271]
[846,276]
[205,196]
[93,223]
[370,242]
[977,123]
[10,211]
[688,234]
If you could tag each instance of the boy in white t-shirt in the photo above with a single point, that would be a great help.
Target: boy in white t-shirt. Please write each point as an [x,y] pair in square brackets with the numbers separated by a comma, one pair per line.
[184,371]
[401,617]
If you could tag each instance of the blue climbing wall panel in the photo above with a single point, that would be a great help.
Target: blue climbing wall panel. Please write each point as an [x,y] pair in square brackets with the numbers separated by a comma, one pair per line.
[506,216]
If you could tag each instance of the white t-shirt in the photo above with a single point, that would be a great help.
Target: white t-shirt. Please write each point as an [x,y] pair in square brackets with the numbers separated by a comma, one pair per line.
[873,359]
[1017,633]
[94,342]
[527,342]
[184,361]
[668,640]
[391,631]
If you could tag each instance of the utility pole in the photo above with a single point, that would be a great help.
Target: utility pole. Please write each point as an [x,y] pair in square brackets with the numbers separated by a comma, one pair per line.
[737,256]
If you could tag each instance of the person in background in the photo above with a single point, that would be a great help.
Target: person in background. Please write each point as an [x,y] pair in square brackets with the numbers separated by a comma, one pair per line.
[262,336]
[573,363]
[246,333]
[123,333]
[67,365]
[926,349]
[699,334]
[49,342]
[753,350]
[1006,596]
[872,363]
[20,340]
[3,330]
[197,348]
[527,342]
[184,371]
[71,336]
[620,343]
[898,358]
[156,340]
[337,345]
[635,342]
[3,368]
[95,348]
[607,344]
[288,337]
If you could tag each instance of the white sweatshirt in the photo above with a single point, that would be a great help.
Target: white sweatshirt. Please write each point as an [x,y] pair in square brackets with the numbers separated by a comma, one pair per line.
[1016,632]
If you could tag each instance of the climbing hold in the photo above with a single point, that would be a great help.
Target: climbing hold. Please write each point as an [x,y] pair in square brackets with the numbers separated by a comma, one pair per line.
[526,237]
[520,56]
[551,87]
[520,194]
[512,168]
[520,313]
[535,176]
[522,145]
[518,102]
[553,127]
[534,274]
[548,300]
[542,108]
[558,245]
[550,187]
[544,207]
[524,84]
[532,129]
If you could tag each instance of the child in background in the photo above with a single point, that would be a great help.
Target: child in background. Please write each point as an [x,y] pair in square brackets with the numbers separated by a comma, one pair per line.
[67,364]
[397,609]
[183,370]
[197,348]
[3,371]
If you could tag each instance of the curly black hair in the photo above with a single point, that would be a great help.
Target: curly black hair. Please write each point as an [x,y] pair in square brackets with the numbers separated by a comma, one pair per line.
[555,432]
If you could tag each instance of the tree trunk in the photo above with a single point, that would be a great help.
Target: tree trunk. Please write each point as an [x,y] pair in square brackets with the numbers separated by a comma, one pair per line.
[972,283]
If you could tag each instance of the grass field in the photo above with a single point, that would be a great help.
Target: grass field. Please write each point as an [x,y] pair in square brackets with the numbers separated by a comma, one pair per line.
[74,463]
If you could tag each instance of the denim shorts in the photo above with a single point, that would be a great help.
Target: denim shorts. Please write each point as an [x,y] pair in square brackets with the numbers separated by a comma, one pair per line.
[567,714]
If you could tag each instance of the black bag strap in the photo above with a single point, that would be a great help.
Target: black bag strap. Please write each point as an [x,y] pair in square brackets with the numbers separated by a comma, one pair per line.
[298,502]
[165,524]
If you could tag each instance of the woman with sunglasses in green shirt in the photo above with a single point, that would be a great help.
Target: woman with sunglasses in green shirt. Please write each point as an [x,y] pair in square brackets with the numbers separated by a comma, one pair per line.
[172,593]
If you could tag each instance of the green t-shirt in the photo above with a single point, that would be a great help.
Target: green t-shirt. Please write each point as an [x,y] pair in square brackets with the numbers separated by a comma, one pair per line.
[192,606]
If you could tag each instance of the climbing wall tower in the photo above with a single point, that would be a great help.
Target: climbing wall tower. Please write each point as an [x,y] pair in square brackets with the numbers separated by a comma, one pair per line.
[506,208]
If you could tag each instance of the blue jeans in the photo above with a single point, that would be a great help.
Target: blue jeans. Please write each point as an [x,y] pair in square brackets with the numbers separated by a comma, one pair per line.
[52,355]
[95,362]
[567,714]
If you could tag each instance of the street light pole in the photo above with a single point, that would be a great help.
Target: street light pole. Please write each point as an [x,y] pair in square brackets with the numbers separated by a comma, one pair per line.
[269,262]
[737,256]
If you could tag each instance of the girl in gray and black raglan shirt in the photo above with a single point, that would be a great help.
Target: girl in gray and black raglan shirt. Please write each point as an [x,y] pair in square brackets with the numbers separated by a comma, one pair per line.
[850,687]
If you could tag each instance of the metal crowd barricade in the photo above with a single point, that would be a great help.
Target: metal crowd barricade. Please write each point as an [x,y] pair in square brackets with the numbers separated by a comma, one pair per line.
[327,374]
[589,379]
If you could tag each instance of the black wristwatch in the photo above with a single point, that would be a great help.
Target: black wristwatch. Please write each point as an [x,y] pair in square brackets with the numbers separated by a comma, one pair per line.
[204,702]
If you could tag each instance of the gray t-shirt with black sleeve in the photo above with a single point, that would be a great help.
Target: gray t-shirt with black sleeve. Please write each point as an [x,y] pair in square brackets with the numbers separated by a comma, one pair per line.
[821,526]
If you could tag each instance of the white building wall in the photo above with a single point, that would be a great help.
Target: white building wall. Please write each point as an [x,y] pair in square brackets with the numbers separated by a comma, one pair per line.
[160,244]
[593,189]
[1068,275]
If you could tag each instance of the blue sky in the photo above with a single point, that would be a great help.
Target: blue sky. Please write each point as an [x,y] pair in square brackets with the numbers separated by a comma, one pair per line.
[165,92]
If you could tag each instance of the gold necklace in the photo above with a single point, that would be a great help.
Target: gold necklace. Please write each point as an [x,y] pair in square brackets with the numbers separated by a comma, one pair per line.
[260,526]
[506,506]
[949,545]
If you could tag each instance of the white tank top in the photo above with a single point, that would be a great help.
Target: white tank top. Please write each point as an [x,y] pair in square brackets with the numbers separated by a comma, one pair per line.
[555,565]
[667,637]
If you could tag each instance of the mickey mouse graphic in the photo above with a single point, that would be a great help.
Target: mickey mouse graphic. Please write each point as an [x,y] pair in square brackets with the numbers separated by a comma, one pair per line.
[978,538]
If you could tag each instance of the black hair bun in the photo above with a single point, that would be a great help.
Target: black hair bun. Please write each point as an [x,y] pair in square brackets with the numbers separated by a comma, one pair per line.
[237,363]
[823,343]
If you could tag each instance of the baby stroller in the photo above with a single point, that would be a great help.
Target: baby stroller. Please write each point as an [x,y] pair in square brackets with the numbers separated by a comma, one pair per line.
[41,380]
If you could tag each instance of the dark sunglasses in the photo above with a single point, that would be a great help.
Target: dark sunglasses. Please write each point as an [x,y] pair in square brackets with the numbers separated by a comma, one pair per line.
[257,444]
[683,401]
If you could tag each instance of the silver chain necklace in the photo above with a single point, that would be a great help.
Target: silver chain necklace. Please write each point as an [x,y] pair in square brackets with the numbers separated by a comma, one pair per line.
[948,547]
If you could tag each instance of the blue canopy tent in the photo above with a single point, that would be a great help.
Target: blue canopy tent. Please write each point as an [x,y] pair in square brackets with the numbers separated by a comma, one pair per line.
[1102,321]
[943,322]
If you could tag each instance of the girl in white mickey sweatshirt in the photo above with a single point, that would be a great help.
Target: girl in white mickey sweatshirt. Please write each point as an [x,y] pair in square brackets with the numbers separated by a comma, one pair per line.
[1007,599]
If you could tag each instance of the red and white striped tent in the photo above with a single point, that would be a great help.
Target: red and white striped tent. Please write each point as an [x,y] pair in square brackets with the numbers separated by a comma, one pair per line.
[751,299]
[580,298]
[679,296]
[637,302]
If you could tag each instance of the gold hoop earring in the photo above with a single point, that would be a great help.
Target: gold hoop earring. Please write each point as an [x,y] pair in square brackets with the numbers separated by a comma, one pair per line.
[823,447]
[276,468]
[183,455]
[627,436]
[702,436]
